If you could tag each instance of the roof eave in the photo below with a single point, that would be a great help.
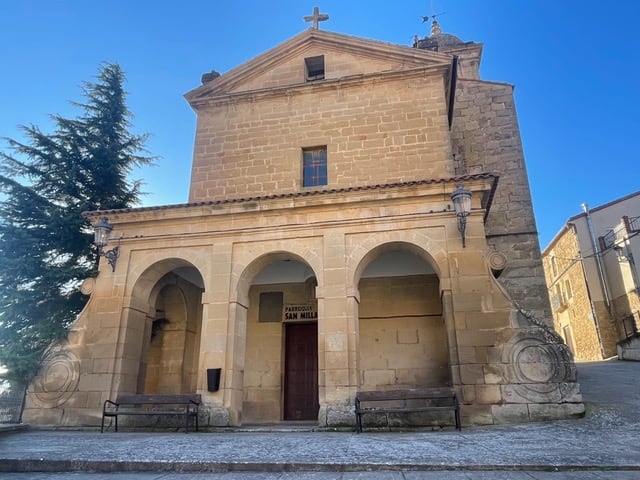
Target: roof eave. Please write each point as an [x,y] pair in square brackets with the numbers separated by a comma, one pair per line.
[477,182]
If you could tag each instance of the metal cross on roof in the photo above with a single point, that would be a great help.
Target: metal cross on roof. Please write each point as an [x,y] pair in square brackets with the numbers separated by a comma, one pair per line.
[316,17]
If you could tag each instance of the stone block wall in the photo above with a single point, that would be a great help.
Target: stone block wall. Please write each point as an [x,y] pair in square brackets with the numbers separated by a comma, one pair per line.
[486,138]
[173,344]
[573,316]
[382,131]
[608,329]
[577,315]
[402,336]
[337,64]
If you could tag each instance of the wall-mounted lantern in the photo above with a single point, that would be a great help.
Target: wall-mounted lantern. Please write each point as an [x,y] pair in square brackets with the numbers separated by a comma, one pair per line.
[462,203]
[102,231]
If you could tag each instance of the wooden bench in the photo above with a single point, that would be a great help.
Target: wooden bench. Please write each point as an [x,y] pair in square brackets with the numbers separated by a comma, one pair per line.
[160,405]
[406,401]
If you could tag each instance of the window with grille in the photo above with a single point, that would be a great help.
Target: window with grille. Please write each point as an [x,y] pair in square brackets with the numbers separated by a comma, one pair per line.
[314,166]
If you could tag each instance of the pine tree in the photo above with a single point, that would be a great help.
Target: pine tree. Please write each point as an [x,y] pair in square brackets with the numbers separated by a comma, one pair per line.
[45,244]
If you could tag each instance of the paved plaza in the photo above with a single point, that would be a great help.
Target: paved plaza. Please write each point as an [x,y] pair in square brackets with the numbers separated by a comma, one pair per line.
[605,444]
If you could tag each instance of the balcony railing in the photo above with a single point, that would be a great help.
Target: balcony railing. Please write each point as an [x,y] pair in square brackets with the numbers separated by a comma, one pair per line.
[607,240]
[632,224]
[630,324]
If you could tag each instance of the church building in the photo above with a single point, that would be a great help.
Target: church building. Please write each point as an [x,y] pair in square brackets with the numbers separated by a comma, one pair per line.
[359,218]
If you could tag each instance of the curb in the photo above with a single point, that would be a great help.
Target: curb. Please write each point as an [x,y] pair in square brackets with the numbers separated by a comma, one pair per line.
[13,427]
[103,466]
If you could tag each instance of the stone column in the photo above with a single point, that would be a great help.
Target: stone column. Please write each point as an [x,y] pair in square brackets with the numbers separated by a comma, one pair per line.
[214,342]
[337,337]
[234,362]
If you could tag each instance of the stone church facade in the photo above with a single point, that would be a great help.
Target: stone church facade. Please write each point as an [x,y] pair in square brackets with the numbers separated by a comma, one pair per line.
[319,253]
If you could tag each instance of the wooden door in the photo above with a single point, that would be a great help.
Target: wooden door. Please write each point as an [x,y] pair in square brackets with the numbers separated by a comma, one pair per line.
[301,371]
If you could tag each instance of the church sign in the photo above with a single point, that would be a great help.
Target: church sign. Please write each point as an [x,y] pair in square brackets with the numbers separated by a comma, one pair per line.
[299,312]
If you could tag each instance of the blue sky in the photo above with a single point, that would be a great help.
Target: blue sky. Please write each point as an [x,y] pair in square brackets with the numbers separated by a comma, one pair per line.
[574,64]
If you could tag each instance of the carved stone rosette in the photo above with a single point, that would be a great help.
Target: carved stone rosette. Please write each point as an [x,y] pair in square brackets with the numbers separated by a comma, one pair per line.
[58,377]
[542,366]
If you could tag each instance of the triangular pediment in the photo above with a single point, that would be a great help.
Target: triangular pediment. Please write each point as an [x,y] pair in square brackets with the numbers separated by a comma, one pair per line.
[345,56]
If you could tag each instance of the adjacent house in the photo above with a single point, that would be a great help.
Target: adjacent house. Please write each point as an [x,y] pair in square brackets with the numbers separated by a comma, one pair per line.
[592,278]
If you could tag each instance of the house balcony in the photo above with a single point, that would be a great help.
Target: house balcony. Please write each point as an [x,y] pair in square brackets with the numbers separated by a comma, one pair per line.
[559,303]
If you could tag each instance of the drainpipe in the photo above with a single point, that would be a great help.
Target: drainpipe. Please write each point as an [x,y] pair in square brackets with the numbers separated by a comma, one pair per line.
[601,276]
[596,254]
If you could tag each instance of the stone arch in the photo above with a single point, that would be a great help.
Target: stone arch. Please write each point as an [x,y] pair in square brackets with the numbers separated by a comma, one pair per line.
[170,363]
[249,264]
[143,277]
[259,347]
[402,335]
[416,242]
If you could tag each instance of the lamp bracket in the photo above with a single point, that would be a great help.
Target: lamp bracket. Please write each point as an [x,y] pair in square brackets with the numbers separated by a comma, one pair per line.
[462,228]
[111,256]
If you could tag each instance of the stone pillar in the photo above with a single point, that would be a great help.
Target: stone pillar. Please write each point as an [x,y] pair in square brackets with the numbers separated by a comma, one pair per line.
[334,369]
[214,338]
[234,362]
[337,337]
[448,315]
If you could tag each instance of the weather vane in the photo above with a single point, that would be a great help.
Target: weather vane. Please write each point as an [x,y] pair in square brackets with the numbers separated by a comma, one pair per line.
[426,19]
[435,26]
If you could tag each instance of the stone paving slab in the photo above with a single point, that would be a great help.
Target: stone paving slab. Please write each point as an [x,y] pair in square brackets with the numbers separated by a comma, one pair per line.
[567,445]
[605,440]
[456,475]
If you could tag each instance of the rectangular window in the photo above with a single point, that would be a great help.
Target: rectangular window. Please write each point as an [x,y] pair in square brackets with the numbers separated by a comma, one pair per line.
[314,68]
[559,293]
[314,166]
[567,288]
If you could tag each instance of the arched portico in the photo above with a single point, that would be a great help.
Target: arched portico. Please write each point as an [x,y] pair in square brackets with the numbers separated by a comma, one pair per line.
[402,341]
[402,338]
[277,353]
[162,328]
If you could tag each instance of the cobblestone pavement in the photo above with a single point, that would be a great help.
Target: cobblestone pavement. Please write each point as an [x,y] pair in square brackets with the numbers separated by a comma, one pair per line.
[466,475]
[603,445]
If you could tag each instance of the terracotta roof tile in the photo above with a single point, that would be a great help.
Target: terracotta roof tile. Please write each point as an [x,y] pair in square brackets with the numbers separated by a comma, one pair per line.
[309,193]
